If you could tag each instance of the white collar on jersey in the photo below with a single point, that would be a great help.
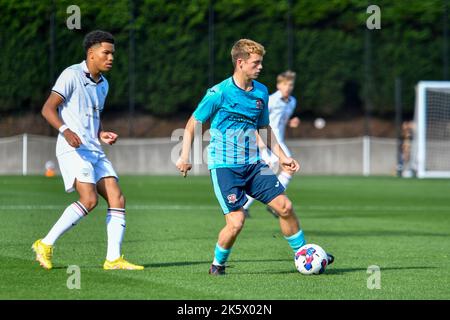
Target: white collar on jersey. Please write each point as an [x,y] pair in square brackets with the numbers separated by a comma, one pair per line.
[278,93]
[88,74]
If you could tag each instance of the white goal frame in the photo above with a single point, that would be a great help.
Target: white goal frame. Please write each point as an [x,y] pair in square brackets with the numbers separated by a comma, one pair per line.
[419,150]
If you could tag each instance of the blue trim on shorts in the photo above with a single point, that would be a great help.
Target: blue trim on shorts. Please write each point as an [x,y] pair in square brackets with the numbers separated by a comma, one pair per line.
[218,192]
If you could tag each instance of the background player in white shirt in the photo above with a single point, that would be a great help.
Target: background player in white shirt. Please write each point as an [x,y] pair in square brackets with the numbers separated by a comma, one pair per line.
[74,108]
[281,108]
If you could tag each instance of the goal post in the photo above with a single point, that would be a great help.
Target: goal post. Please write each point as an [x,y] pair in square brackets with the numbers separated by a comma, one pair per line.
[430,153]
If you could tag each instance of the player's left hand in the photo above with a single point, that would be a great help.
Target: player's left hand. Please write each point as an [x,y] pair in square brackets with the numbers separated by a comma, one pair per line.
[294,122]
[291,165]
[108,137]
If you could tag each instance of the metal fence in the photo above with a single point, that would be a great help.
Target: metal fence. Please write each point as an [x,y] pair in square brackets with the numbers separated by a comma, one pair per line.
[27,154]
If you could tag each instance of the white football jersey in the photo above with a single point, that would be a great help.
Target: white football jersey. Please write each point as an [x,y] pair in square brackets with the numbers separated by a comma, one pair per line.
[280,112]
[84,100]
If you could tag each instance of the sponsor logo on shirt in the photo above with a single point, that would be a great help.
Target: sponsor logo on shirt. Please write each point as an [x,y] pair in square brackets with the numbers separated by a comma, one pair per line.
[237,118]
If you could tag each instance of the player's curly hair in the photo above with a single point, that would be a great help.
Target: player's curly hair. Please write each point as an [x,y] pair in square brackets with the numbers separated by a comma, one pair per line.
[243,48]
[286,76]
[96,37]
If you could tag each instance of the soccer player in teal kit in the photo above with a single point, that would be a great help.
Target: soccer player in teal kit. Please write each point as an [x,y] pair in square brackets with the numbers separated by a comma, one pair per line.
[238,109]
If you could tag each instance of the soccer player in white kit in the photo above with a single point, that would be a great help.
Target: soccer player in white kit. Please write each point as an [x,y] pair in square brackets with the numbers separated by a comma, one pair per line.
[74,108]
[281,108]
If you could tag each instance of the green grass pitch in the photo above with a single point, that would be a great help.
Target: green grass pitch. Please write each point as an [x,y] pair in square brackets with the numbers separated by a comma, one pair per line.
[402,226]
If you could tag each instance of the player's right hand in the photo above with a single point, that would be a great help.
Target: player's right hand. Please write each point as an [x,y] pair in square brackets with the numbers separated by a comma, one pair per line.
[72,138]
[291,165]
[184,166]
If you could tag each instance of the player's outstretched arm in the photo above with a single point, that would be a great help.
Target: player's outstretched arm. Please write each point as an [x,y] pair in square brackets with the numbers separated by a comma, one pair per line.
[183,164]
[50,113]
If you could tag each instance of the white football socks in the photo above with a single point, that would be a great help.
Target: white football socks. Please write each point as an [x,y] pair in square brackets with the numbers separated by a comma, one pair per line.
[249,202]
[115,228]
[68,219]
[284,178]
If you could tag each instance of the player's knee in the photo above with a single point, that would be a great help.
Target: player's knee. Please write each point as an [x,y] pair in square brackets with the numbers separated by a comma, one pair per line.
[236,226]
[90,201]
[286,209]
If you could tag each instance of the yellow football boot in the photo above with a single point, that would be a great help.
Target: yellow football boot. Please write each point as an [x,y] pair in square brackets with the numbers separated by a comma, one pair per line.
[44,254]
[121,264]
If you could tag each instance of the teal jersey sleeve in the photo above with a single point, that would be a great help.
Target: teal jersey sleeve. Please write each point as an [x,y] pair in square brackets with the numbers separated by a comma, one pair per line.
[263,120]
[209,105]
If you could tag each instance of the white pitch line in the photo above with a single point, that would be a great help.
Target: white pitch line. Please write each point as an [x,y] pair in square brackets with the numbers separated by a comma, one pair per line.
[212,207]
[375,208]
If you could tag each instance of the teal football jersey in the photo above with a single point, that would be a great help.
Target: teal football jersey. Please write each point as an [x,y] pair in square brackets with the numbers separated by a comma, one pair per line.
[235,116]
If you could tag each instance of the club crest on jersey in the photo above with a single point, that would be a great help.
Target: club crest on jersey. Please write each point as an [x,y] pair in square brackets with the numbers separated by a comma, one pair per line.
[232,198]
[259,104]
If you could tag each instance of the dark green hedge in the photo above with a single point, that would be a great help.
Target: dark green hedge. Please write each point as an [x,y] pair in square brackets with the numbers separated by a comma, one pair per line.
[172,50]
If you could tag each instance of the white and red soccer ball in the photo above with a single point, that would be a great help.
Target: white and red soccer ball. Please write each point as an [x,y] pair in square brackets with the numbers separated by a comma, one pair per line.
[311,259]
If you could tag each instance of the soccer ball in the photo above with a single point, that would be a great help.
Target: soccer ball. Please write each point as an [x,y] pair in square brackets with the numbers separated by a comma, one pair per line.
[319,123]
[311,259]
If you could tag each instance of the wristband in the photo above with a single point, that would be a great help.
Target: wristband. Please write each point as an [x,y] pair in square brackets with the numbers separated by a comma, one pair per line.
[62,128]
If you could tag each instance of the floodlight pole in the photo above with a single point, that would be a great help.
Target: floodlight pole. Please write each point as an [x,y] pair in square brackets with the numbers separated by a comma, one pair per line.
[290,37]
[398,124]
[211,43]
[368,81]
[445,44]
[52,50]
[52,44]
[131,70]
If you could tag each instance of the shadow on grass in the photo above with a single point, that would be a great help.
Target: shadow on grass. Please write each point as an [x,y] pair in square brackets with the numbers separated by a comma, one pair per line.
[208,262]
[82,267]
[332,270]
[340,271]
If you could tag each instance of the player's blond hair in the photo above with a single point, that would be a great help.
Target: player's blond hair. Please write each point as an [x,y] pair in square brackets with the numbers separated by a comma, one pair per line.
[243,48]
[286,76]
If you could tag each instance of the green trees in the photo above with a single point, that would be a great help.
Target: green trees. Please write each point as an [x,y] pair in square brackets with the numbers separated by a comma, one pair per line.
[172,50]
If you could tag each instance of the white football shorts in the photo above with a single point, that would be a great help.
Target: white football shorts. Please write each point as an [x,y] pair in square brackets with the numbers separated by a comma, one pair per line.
[85,166]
